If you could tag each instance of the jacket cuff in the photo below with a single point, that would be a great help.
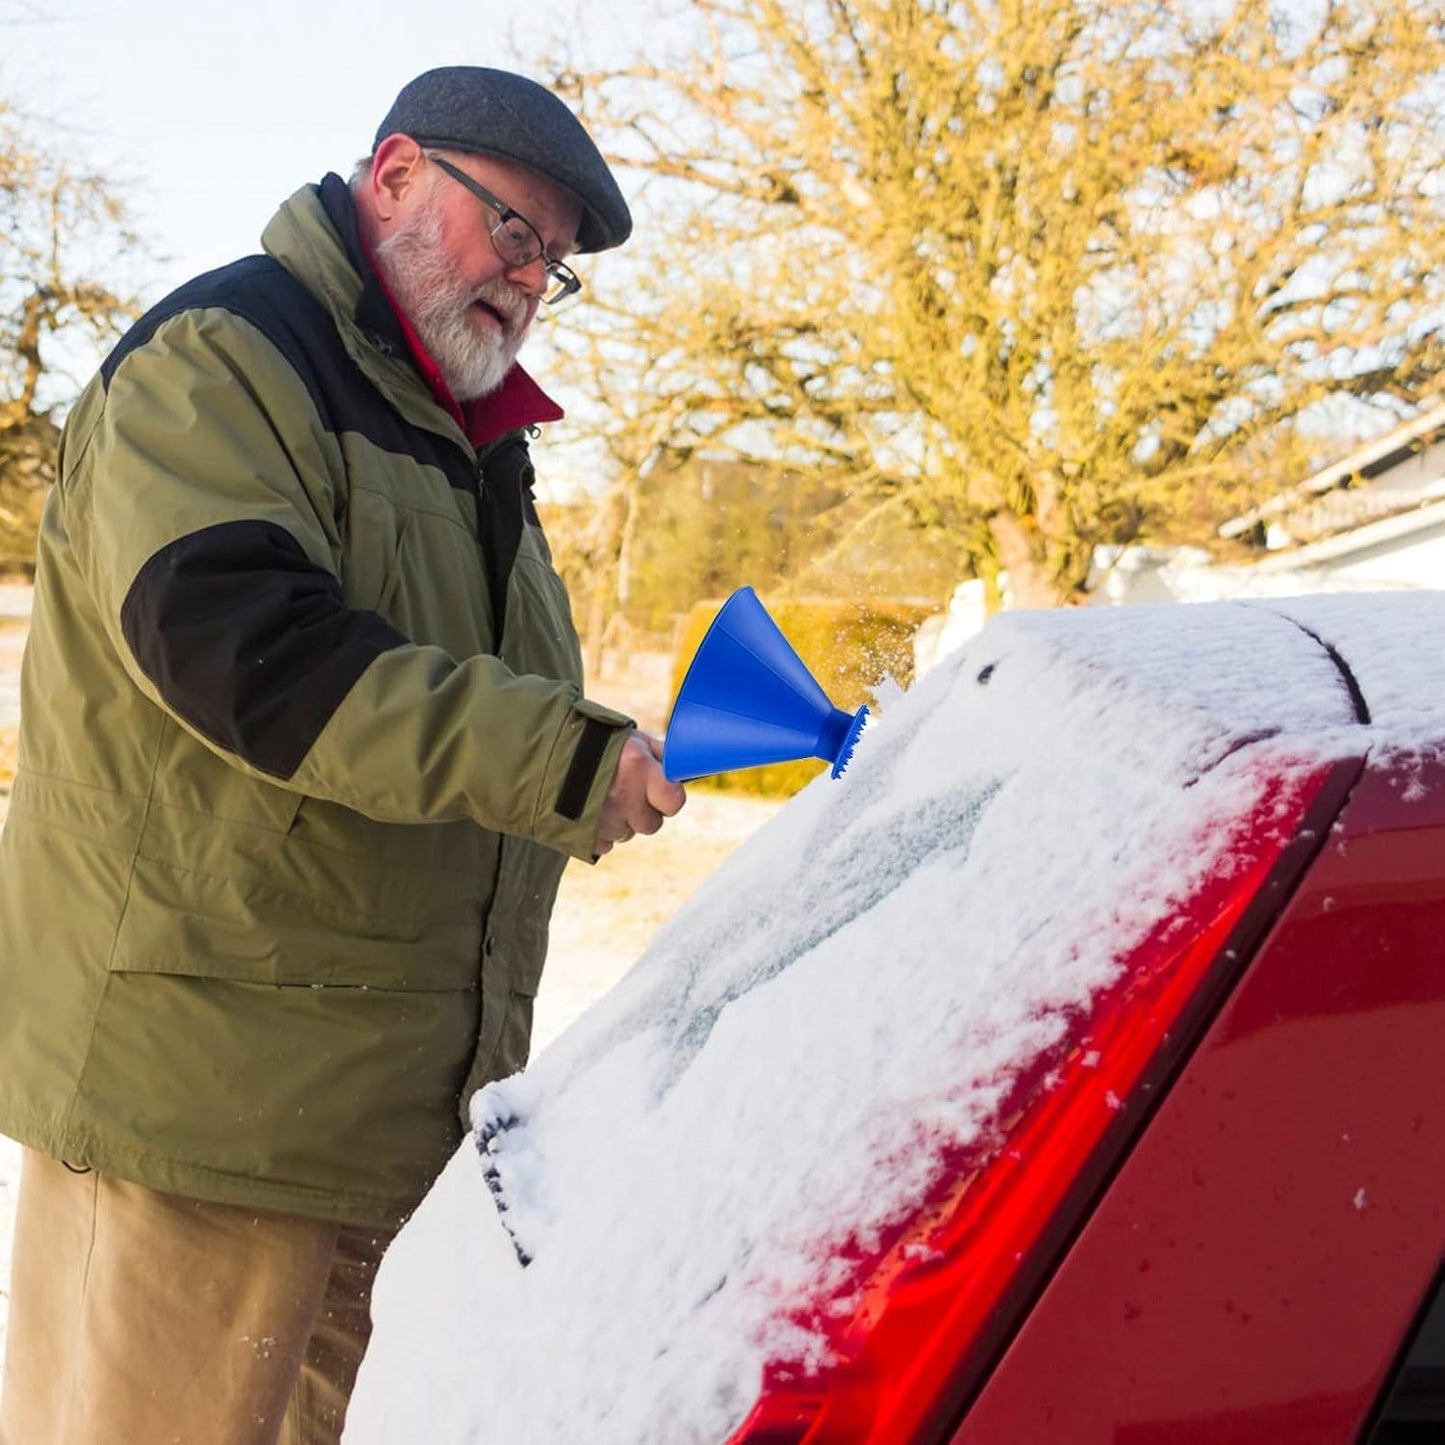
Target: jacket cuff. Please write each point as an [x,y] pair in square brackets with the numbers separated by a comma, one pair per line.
[586,762]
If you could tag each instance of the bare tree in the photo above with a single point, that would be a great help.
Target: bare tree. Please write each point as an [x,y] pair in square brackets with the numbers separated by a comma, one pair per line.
[59,227]
[1058,272]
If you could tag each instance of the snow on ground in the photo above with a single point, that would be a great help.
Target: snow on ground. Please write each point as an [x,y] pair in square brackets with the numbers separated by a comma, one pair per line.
[12,643]
[875,965]
[9,1179]
[14,611]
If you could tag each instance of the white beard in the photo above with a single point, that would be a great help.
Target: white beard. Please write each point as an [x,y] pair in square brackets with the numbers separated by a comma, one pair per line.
[472,354]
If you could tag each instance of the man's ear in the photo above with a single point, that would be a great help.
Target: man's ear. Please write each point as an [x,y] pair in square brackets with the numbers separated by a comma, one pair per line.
[395,170]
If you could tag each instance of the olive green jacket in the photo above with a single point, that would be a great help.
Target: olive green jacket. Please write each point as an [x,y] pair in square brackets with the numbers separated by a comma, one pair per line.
[303,754]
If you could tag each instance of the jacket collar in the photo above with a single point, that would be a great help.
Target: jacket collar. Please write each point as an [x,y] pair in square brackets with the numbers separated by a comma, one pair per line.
[373,310]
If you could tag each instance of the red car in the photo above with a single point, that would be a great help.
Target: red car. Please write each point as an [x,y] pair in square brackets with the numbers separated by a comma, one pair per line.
[1072,1069]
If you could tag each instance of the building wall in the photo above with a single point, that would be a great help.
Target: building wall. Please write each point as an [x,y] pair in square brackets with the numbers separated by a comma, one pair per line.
[1417,561]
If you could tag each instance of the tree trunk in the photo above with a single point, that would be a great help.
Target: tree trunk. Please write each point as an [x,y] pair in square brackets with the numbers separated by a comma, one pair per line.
[1029,584]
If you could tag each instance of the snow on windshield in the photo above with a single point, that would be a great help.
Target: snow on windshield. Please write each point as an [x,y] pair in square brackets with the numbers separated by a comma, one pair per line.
[845,999]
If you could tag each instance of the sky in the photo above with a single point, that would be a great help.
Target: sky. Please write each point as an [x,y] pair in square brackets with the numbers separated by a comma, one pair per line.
[204,117]
[207,116]
[877,964]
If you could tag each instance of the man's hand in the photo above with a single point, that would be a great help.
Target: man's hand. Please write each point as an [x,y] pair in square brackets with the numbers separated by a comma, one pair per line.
[640,796]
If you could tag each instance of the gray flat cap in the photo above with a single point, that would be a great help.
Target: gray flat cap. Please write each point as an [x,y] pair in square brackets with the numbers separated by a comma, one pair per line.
[496,113]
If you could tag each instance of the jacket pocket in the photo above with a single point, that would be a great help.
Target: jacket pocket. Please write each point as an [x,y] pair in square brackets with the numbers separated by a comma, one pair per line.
[255,909]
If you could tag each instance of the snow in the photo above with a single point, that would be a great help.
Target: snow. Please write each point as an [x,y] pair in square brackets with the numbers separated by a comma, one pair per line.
[15,600]
[844,1000]
[1394,652]
[14,617]
[13,632]
[9,1181]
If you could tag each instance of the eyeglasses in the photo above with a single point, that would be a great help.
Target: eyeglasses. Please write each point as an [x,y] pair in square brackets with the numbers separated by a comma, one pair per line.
[515,238]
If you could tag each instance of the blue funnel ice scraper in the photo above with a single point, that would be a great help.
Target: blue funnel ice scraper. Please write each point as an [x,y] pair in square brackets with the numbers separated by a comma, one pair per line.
[748,700]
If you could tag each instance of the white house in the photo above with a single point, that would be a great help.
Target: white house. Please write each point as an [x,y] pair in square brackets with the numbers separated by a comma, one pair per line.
[1375,517]
[1372,521]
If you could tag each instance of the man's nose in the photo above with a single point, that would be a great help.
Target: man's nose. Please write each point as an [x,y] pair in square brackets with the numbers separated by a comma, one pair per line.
[531,278]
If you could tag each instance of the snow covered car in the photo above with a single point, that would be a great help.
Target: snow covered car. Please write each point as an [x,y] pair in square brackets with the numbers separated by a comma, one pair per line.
[1069,1069]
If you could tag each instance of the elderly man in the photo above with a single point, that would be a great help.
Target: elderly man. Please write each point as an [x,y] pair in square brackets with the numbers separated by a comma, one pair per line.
[303,755]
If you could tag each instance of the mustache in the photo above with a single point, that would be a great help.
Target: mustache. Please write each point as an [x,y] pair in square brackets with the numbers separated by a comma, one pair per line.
[508,300]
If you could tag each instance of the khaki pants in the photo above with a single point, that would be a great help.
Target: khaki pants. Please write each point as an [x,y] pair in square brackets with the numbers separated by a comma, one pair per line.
[141,1318]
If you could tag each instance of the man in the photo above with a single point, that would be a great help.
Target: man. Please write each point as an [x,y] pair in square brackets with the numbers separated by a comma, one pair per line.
[303,756]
